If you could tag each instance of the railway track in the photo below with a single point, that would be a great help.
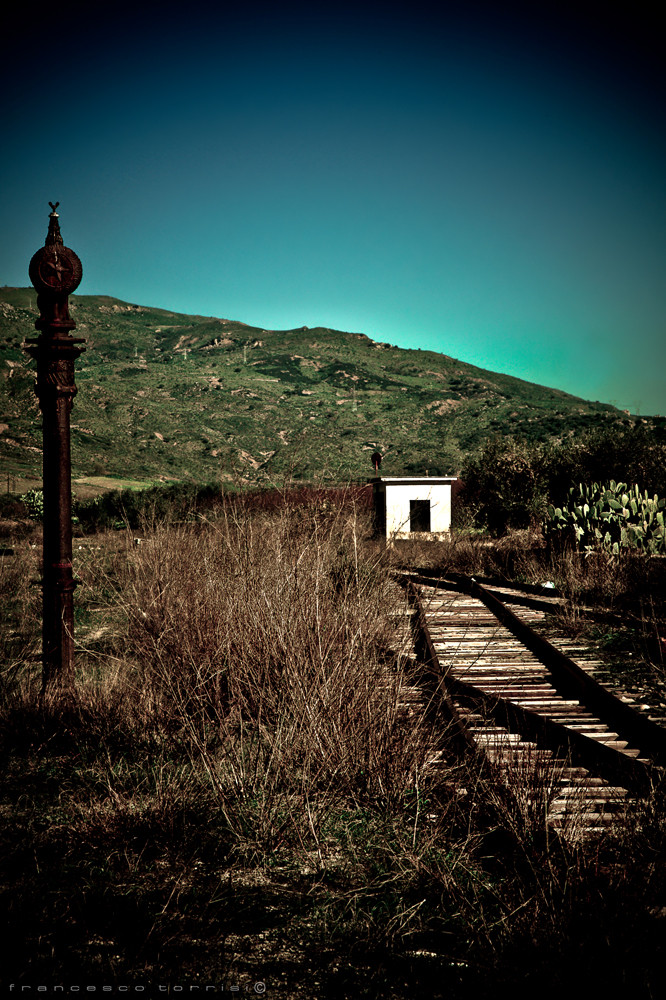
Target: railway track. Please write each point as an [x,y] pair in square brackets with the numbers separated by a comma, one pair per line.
[545,726]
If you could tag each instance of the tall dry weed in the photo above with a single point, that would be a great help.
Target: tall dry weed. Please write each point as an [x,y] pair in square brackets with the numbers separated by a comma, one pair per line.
[266,640]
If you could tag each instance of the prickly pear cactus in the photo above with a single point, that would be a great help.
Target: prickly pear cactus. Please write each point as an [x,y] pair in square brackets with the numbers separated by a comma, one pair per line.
[34,504]
[609,518]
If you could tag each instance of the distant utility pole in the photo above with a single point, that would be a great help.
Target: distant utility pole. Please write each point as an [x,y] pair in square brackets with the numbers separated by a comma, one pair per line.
[55,271]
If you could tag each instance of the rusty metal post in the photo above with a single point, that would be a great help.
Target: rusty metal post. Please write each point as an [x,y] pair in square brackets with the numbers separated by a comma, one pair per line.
[55,271]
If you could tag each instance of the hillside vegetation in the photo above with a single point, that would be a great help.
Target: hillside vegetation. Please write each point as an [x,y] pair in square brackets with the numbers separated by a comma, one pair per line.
[164,395]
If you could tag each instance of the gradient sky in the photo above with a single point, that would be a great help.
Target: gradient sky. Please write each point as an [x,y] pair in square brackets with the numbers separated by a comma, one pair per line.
[481,181]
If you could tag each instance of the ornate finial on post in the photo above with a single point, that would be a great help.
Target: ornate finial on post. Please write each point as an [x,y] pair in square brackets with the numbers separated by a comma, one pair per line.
[55,271]
[53,236]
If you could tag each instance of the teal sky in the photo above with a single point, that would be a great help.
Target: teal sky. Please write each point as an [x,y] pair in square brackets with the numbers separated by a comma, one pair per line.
[485,184]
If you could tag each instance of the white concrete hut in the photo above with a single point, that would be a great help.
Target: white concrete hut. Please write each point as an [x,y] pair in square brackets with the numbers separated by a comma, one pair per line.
[413,507]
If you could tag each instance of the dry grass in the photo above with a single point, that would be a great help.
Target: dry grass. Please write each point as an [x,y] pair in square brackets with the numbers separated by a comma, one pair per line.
[239,794]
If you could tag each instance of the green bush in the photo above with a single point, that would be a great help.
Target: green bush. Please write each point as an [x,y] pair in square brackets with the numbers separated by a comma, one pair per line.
[136,508]
[33,501]
[509,483]
[633,455]
[12,506]
[505,485]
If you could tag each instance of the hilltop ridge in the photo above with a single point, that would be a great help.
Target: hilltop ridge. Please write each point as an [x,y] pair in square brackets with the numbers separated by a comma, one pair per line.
[166,395]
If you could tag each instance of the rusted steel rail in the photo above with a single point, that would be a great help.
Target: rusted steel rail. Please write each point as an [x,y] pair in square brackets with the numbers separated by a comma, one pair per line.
[504,685]
[571,680]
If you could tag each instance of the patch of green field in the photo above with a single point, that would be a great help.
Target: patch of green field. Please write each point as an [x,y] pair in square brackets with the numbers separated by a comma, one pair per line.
[113,483]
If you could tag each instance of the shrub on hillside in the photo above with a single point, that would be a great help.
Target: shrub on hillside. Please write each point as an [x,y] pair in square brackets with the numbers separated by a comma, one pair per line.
[505,485]
[136,508]
[510,483]
[630,455]
[12,507]
[185,501]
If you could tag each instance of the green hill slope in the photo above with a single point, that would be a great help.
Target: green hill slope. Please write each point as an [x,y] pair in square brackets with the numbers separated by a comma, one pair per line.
[166,395]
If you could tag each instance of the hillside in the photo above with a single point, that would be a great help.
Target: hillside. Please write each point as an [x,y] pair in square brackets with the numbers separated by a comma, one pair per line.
[165,395]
